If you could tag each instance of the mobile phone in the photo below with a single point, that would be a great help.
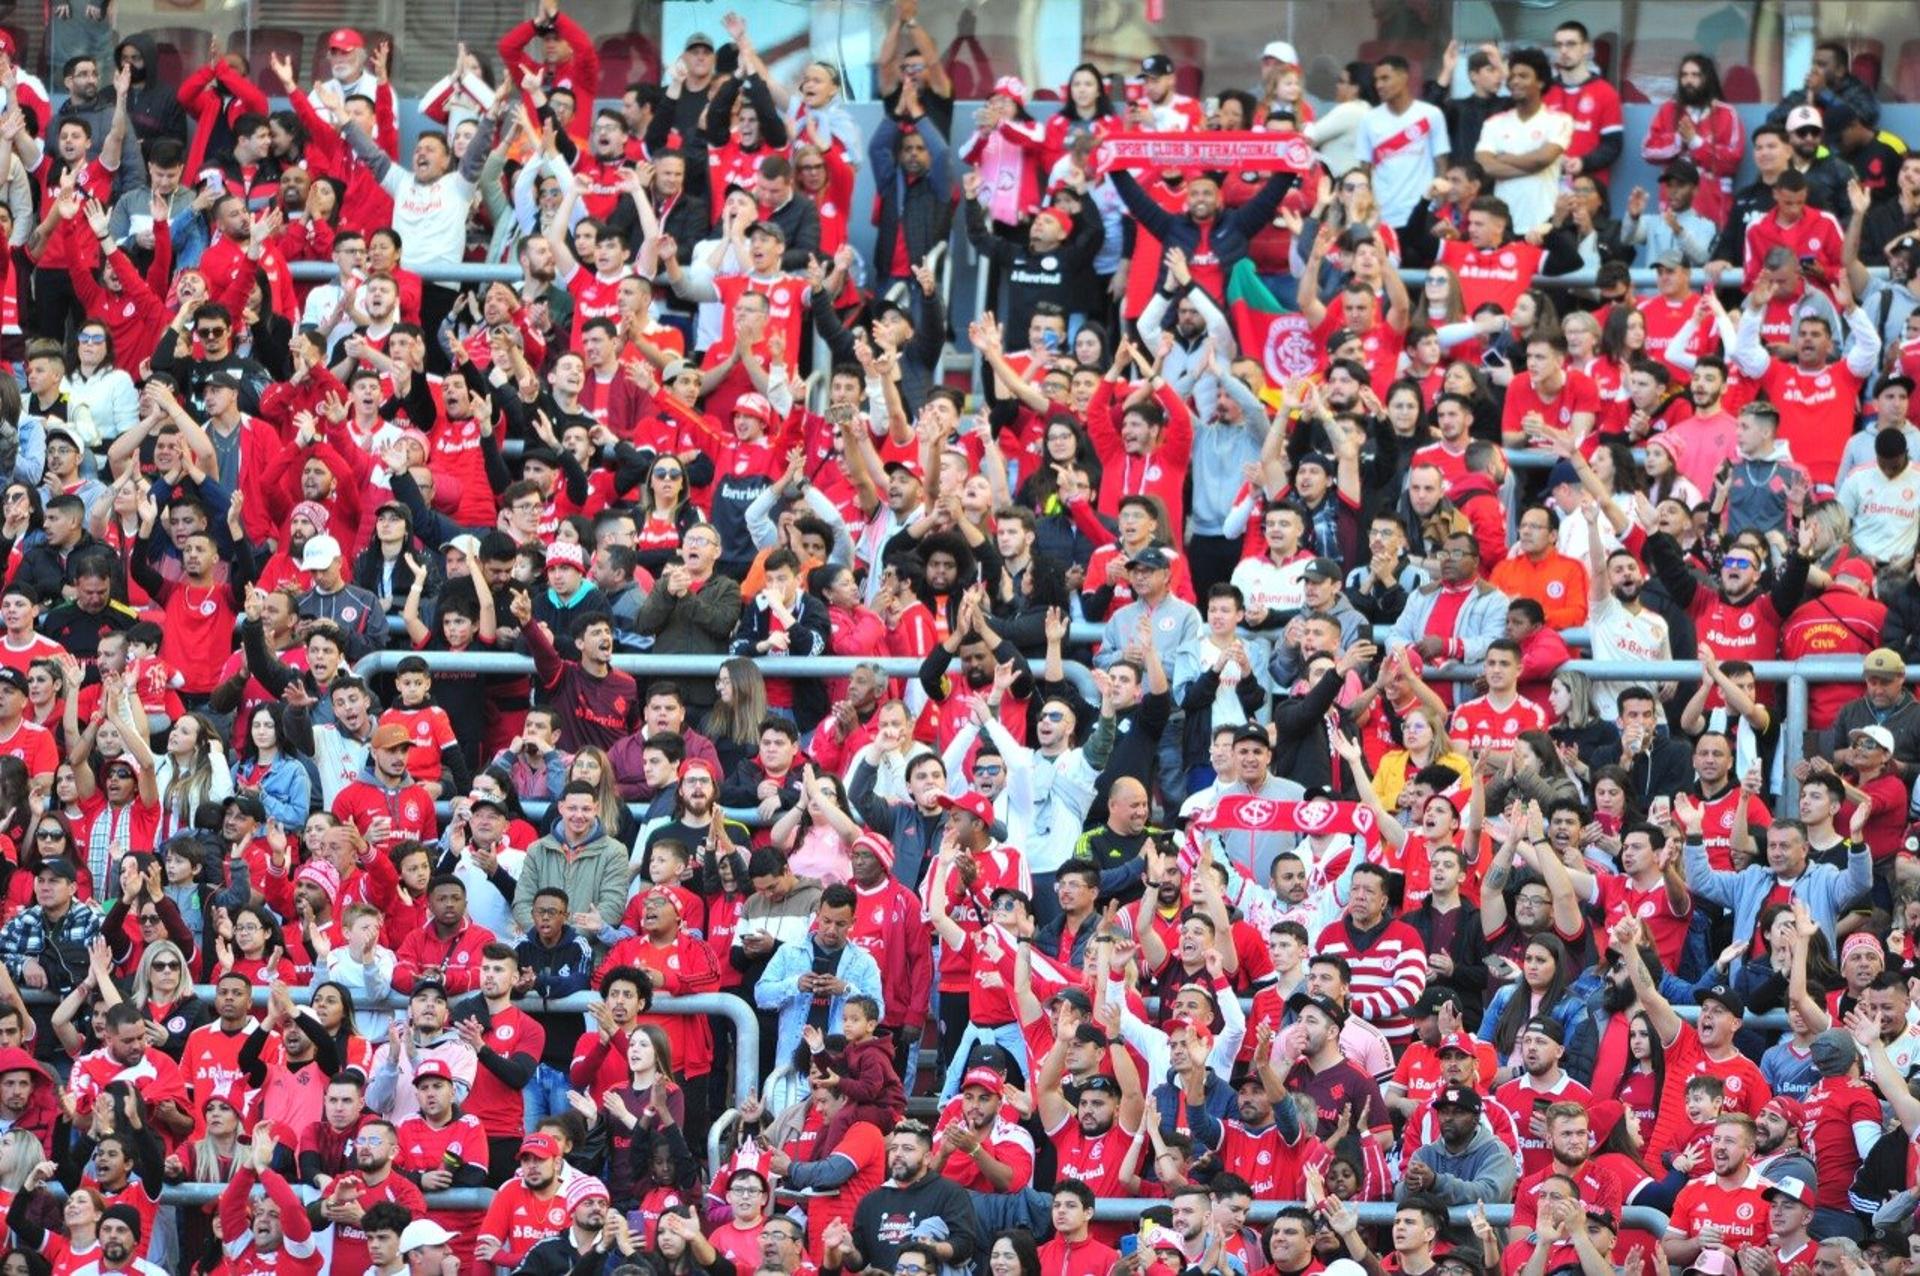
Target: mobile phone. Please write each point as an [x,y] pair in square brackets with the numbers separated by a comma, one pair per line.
[1129,1245]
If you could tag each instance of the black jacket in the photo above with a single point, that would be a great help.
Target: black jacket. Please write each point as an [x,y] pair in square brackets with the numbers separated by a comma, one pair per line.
[1303,753]
[1230,233]
[888,1214]
[1033,277]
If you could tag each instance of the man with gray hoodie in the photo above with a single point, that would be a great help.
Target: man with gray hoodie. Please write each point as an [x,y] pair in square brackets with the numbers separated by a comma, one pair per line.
[1467,1163]
[579,858]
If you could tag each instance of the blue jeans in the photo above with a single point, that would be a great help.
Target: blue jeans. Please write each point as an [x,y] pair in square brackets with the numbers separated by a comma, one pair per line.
[546,1095]
[1007,1036]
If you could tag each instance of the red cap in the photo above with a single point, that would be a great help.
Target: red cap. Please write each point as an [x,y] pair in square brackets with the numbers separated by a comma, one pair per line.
[542,1146]
[701,765]
[974,804]
[345,40]
[985,1078]
[433,1070]
[755,406]
[1055,216]
[1787,1108]
[7,45]
[1461,1041]
[1200,1031]
[1603,1116]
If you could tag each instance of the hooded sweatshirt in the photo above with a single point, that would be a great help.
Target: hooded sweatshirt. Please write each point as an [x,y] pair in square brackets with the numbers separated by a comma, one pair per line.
[43,1104]
[153,110]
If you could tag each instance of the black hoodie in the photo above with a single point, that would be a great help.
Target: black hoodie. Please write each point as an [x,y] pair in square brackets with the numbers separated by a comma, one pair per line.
[153,108]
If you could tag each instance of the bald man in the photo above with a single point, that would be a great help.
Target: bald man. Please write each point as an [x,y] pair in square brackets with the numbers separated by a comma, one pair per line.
[1116,847]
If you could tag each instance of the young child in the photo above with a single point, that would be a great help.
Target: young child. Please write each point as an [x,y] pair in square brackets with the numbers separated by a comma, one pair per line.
[862,1068]
[534,760]
[153,680]
[1706,1096]
[435,757]
[666,866]
[364,965]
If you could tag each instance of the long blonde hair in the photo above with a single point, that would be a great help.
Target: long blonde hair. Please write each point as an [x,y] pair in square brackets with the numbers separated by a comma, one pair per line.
[206,1154]
[142,978]
[606,795]
[20,1151]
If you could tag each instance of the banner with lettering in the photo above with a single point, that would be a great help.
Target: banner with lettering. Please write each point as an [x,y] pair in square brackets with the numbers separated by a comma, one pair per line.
[1249,814]
[1248,152]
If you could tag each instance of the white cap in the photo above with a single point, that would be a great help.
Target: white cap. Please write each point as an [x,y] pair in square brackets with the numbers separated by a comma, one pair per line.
[1338,1267]
[422,1232]
[321,551]
[1281,51]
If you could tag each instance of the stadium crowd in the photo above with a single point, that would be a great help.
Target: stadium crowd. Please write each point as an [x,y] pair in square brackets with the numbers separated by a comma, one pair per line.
[1319,878]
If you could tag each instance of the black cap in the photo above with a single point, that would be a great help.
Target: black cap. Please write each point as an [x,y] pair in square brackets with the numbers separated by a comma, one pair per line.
[1602,1215]
[1322,569]
[11,677]
[1156,64]
[1724,994]
[545,455]
[224,379]
[59,866]
[1327,1006]
[1466,1098]
[1681,170]
[1091,1034]
[483,798]
[1253,733]
[1075,997]
[1436,996]
[1320,459]
[248,805]
[428,983]
[1904,382]
[1152,556]
[1546,1026]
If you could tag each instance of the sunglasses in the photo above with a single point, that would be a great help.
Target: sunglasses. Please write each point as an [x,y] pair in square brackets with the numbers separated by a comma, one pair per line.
[92,338]
[209,332]
[662,472]
[166,965]
[1739,562]
[1053,715]
[50,835]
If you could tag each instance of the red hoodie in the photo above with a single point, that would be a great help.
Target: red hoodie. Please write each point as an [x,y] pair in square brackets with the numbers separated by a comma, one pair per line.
[43,1103]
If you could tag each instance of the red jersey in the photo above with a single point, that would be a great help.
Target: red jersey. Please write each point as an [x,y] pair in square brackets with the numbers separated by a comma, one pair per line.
[491,1101]
[1717,826]
[1618,898]
[431,731]
[1740,1212]
[684,966]
[519,1219]
[33,744]
[1498,275]
[1075,1258]
[409,811]
[1817,412]
[1479,724]
[1814,240]
[1577,394]
[1665,318]
[211,1062]
[786,306]
[461,1141]
[1594,106]
[1521,1097]
[350,1243]
[1274,1168]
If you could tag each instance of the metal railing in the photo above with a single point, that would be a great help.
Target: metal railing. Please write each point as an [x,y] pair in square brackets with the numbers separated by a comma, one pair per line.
[1128,1209]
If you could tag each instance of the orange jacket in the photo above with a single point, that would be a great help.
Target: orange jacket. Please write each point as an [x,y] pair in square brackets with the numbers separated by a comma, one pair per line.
[1558,583]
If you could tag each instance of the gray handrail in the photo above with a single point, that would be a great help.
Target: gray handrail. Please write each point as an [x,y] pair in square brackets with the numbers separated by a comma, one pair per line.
[1127,1209]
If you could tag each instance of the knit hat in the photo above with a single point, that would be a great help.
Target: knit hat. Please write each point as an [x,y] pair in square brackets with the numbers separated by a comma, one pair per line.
[322,874]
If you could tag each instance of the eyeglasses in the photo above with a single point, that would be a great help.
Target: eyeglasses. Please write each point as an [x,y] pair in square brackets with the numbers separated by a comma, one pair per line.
[989,770]
[526,506]
[91,338]
[746,1189]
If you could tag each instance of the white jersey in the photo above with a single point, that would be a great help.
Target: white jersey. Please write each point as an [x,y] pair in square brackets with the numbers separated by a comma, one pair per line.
[1406,151]
[1619,634]
[1530,199]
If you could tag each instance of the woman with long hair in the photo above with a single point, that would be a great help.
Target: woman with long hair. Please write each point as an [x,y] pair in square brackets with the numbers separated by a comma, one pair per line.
[1664,479]
[1334,132]
[333,1006]
[666,512]
[193,773]
[1546,971]
[817,832]
[1013,1253]
[1534,772]
[1582,737]
[1423,743]
[208,1159]
[48,837]
[592,766]
[249,941]
[1355,215]
[1006,148]
[18,805]
[1614,805]
[733,724]
[265,768]
[651,1098]
[163,991]
[47,698]
[21,518]
[854,629]
[66,1235]
[1086,109]
[102,402]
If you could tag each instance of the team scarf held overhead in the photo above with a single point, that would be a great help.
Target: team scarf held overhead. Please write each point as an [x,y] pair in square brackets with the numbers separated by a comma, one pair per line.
[1244,813]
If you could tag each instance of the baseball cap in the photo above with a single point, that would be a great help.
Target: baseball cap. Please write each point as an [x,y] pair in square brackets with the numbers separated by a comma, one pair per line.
[1253,733]
[1833,1052]
[986,1079]
[1794,1189]
[59,866]
[1075,997]
[698,40]
[423,1232]
[1787,1108]
[1281,51]
[975,804]
[1327,1006]
[483,797]
[467,543]
[1546,1026]
[57,433]
[10,677]
[1091,1034]
[1322,569]
[754,405]
[1876,734]
[1465,1098]
[543,1146]
[1681,170]
[346,40]
[1724,994]
[433,1070]
[1714,1262]
[321,551]
[1011,86]
[1156,64]
[1152,557]
[248,805]
[390,735]
[1672,259]
[1432,999]
[1563,472]
[1459,1042]
[1804,116]
[1884,660]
